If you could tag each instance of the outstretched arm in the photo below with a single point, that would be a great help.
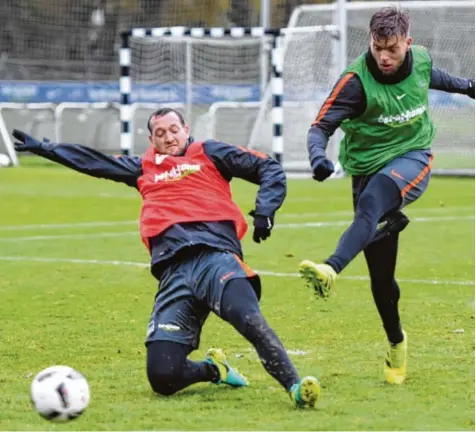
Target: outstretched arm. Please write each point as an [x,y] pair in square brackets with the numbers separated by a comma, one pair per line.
[86,160]
[441,80]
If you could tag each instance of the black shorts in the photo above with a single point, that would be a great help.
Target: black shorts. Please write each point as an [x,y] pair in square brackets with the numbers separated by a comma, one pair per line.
[189,289]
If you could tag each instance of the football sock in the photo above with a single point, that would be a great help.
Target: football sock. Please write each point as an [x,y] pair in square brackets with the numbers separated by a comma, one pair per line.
[240,308]
[381,257]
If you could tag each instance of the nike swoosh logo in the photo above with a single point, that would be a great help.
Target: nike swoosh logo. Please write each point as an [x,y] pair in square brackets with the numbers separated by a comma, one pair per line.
[401,96]
[397,175]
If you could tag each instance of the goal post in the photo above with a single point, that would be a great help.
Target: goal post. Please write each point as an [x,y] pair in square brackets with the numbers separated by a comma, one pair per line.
[6,142]
[143,48]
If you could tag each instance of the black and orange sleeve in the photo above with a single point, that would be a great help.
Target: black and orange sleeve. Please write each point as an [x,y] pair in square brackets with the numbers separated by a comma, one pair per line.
[345,101]
[253,166]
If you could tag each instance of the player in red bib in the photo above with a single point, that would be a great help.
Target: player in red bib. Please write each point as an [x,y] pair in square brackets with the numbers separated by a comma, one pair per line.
[192,229]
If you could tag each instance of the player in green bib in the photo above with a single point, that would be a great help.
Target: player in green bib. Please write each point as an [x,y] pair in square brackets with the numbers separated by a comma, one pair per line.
[381,104]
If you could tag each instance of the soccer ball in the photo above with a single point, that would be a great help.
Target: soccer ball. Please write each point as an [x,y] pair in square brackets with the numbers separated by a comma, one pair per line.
[4,160]
[60,393]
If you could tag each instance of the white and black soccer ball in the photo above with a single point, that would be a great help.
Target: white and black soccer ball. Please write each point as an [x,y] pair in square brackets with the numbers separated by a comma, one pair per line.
[60,393]
[4,160]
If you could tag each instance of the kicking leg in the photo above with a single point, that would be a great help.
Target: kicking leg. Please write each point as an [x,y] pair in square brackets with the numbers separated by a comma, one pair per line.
[399,183]
[381,257]
[239,307]
[379,197]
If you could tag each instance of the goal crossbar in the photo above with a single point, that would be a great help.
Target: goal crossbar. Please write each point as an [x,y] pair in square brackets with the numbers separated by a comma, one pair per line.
[277,85]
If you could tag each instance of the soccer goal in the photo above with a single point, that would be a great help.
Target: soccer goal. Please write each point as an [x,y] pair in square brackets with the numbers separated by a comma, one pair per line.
[446,28]
[217,74]
[6,143]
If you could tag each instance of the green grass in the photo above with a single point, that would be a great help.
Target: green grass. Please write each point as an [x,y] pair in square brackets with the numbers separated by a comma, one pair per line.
[93,316]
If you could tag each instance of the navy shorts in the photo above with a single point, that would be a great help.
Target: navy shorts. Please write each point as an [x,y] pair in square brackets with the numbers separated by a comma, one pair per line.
[189,289]
[411,172]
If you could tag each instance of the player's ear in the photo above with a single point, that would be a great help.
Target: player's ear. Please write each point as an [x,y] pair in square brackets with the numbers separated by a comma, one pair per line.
[187,129]
[409,43]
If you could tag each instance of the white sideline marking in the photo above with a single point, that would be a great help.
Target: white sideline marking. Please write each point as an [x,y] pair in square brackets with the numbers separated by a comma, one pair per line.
[409,211]
[289,225]
[347,222]
[279,216]
[68,225]
[74,261]
[260,272]
[365,278]
[67,236]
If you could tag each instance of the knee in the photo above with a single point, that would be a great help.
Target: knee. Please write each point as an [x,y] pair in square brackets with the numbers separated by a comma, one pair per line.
[367,207]
[162,378]
[367,215]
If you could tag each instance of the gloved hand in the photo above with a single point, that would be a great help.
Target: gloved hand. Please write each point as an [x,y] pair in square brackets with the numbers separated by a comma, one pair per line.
[25,142]
[470,90]
[263,226]
[321,168]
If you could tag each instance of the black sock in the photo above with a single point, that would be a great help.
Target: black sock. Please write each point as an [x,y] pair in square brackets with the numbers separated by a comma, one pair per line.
[240,308]
[381,257]
[386,300]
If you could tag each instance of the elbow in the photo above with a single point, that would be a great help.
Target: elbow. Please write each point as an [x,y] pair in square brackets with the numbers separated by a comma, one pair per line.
[280,180]
[279,173]
[272,171]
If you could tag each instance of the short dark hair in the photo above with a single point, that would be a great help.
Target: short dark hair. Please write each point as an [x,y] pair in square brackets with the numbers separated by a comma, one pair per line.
[390,21]
[164,111]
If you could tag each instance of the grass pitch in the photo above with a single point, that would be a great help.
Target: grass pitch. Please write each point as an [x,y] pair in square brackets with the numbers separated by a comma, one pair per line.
[75,290]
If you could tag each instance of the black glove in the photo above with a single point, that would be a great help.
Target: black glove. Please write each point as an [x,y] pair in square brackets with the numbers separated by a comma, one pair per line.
[322,168]
[25,142]
[263,226]
[470,90]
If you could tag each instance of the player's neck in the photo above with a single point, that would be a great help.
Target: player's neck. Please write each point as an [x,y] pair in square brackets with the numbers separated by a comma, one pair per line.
[187,145]
[402,73]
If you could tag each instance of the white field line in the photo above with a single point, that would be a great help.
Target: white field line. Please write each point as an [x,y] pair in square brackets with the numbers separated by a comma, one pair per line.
[347,222]
[92,224]
[69,225]
[68,236]
[409,211]
[278,226]
[57,194]
[261,272]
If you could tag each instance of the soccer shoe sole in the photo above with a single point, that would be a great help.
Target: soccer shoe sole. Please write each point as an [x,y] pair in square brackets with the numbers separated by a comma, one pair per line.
[315,278]
[310,391]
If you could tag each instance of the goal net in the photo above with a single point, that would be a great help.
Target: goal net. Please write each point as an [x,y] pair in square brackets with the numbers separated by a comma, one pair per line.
[218,76]
[446,28]
[310,68]
[194,73]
